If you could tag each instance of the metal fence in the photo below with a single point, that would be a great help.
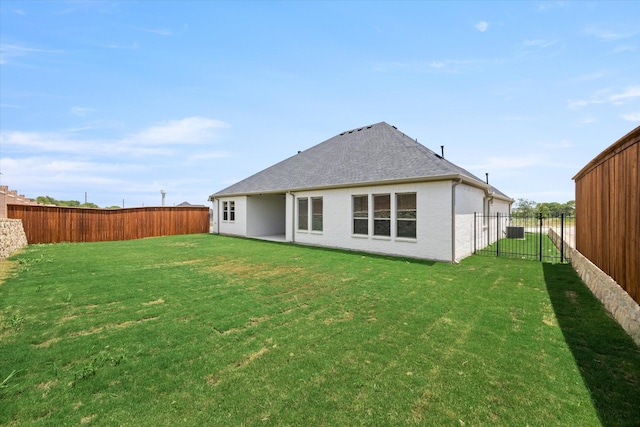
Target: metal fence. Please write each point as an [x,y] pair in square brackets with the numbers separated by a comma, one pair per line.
[505,235]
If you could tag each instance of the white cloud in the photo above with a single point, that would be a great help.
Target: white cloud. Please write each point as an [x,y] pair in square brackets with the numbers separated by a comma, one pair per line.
[440,66]
[624,48]
[209,156]
[539,43]
[450,65]
[588,120]
[518,119]
[482,26]
[539,48]
[609,35]
[502,163]
[65,164]
[632,117]
[606,97]
[46,172]
[588,76]
[632,92]
[17,141]
[560,144]
[132,46]
[81,111]
[192,130]
[8,51]
[158,31]
[148,142]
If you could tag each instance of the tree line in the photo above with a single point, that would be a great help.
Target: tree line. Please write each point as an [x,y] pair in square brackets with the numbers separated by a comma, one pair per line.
[527,208]
[47,200]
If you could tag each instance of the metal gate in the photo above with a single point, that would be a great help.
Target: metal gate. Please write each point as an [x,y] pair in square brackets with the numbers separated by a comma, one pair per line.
[540,238]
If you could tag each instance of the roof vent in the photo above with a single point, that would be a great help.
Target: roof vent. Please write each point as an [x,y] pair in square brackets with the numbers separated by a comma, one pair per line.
[442,150]
[394,127]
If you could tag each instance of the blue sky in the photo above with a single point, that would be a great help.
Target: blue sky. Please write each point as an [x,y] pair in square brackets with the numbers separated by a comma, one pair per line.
[120,99]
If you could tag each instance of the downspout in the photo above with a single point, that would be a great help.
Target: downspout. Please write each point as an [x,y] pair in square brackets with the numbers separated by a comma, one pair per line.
[454,184]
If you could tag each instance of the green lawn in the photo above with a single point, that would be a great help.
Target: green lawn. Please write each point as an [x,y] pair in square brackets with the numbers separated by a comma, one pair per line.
[210,330]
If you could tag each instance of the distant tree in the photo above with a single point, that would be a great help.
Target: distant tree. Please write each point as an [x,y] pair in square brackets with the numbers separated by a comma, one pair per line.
[570,208]
[45,200]
[114,207]
[48,200]
[524,208]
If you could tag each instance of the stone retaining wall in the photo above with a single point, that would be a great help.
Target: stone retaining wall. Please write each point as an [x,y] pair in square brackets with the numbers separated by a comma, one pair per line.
[12,237]
[618,302]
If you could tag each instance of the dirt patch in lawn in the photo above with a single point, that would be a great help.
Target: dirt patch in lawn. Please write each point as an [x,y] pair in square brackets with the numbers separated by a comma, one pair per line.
[7,269]
[92,331]
[242,269]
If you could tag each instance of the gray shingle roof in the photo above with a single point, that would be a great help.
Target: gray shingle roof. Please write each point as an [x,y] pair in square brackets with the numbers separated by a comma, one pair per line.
[375,153]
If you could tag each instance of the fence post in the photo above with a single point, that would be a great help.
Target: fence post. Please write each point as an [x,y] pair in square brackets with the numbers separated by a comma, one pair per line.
[540,236]
[497,233]
[562,237]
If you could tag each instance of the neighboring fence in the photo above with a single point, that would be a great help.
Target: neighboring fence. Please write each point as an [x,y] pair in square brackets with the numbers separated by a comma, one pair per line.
[51,224]
[522,237]
[608,212]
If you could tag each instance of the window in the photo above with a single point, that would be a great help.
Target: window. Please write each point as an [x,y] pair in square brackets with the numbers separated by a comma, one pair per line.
[382,215]
[303,214]
[316,213]
[228,211]
[406,215]
[360,214]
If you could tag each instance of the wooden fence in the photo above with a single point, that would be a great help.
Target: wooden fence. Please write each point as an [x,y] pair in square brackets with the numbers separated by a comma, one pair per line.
[608,212]
[51,224]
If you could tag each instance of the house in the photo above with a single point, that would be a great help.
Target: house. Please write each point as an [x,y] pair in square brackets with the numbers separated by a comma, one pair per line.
[371,189]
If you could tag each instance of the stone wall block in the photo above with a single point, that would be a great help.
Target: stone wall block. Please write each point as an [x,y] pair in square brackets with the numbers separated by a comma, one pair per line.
[12,237]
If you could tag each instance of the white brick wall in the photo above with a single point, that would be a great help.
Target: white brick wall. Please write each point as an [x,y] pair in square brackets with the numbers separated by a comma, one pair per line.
[268,215]
[433,236]
[237,227]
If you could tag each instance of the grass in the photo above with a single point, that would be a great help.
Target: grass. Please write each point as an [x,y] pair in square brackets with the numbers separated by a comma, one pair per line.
[211,330]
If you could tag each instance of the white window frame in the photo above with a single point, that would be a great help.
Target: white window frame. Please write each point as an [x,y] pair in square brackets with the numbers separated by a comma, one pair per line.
[398,218]
[313,215]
